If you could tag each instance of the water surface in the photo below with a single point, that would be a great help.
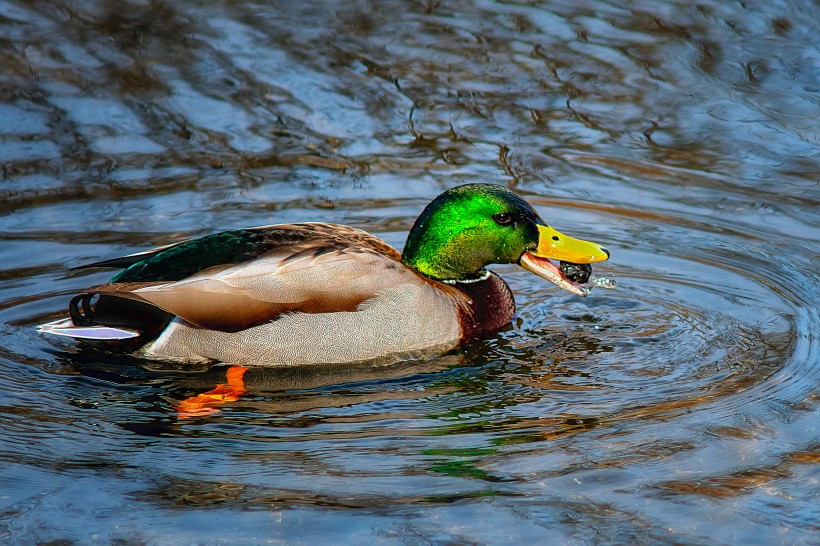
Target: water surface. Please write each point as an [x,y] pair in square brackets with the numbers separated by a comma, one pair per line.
[680,408]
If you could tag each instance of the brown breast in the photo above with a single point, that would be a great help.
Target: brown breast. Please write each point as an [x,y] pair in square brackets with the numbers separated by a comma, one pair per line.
[490,306]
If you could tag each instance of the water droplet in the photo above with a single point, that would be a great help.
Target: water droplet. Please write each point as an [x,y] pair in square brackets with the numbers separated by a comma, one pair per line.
[606,282]
[603,282]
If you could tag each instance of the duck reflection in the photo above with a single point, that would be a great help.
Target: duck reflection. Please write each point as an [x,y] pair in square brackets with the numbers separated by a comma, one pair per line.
[303,388]
[495,376]
[201,391]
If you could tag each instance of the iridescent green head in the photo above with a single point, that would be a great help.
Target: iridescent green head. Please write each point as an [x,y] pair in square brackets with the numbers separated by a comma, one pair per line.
[468,227]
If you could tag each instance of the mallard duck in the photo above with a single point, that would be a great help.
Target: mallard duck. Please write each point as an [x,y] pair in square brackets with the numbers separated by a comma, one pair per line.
[306,293]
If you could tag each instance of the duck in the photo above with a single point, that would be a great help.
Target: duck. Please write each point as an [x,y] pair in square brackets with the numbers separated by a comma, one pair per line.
[321,293]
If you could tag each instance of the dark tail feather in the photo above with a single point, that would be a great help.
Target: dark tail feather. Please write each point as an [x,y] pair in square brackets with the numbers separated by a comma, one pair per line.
[125,261]
[122,262]
[109,318]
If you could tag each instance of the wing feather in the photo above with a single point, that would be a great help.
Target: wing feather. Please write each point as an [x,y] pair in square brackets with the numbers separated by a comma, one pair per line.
[309,268]
[261,290]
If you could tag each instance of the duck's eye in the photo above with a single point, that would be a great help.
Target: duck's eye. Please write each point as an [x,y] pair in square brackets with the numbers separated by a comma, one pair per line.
[503,218]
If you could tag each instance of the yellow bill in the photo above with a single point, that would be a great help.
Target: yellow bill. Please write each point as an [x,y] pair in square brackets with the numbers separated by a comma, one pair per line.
[556,246]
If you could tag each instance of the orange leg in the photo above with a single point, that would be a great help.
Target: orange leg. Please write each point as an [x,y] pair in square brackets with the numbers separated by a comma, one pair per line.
[205,403]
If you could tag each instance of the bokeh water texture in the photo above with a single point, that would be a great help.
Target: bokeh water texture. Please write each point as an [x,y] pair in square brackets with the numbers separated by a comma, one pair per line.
[681,407]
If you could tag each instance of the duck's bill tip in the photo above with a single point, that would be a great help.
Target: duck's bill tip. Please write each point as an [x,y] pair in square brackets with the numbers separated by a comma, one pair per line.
[545,269]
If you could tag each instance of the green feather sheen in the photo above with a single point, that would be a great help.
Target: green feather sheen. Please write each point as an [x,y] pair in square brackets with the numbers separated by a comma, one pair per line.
[190,257]
[456,236]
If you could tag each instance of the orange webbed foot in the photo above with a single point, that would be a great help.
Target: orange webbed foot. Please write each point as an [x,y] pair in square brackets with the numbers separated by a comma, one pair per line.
[207,402]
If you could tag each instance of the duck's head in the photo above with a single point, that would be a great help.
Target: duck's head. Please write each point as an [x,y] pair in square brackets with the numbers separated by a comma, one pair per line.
[469,227]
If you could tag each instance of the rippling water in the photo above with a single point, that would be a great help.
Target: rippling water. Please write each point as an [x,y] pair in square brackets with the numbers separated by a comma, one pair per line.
[680,408]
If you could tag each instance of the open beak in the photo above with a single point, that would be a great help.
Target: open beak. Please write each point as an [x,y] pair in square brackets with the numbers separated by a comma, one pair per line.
[557,246]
